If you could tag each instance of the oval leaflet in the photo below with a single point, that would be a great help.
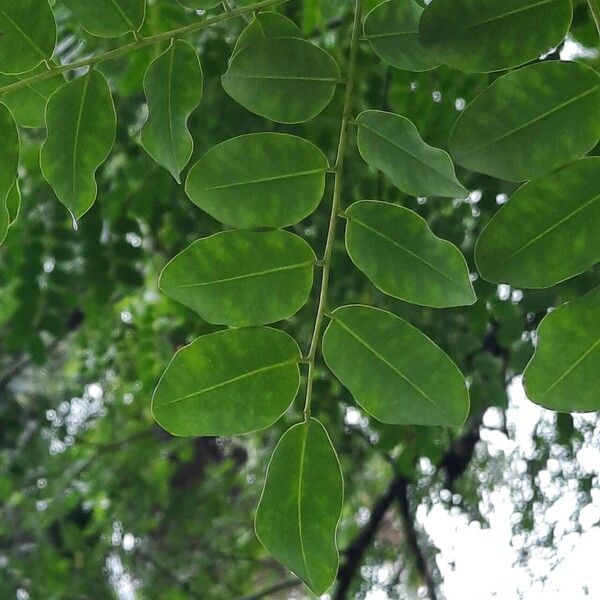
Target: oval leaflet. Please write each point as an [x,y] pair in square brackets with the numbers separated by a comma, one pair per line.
[301,504]
[287,80]
[393,371]
[564,373]
[530,121]
[548,230]
[396,249]
[259,180]
[492,35]
[242,278]
[228,383]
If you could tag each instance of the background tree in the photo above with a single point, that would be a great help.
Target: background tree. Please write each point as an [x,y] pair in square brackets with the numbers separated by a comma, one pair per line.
[96,499]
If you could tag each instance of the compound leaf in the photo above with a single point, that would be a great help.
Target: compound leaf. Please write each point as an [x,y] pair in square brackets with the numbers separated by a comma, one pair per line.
[396,249]
[391,143]
[564,373]
[301,505]
[242,278]
[287,80]
[228,383]
[521,126]
[392,30]
[81,123]
[259,180]
[28,34]
[547,232]
[173,87]
[395,372]
[109,18]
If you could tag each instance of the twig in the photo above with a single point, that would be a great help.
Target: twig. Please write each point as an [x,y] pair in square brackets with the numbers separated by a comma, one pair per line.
[412,539]
[276,587]
[152,39]
[335,204]
[361,543]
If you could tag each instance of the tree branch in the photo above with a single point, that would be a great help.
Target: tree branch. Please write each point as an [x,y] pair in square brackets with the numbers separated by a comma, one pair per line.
[276,587]
[361,543]
[412,539]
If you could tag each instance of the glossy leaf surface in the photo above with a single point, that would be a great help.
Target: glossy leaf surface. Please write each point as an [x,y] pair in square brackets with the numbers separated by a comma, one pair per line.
[108,18]
[396,249]
[81,123]
[242,278]
[564,373]
[287,80]
[28,34]
[491,35]
[530,122]
[301,504]
[173,87]
[395,372]
[228,383]
[259,180]
[28,104]
[547,232]
[391,143]
[392,29]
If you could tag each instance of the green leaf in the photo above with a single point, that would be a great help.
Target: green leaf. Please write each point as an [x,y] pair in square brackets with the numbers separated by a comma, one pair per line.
[9,151]
[392,30]
[28,34]
[259,180]
[109,18]
[81,123]
[398,252]
[301,505]
[199,4]
[242,278]
[522,125]
[564,373]
[28,104]
[480,37]
[266,25]
[547,232]
[287,80]
[395,372]
[173,88]
[391,143]
[228,383]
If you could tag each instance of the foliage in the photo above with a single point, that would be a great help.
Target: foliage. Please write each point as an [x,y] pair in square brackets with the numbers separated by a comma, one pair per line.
[416,334]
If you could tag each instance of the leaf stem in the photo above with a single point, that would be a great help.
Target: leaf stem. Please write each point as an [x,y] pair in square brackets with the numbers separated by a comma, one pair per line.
[140,43]
[595,10]
[335,204]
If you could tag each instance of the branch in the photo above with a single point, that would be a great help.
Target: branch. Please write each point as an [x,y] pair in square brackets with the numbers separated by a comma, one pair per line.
[412,539]
[140,43]
[277,587]
[361,543]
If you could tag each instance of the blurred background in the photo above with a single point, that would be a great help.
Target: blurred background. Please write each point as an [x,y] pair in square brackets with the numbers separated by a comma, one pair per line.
[96,501]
